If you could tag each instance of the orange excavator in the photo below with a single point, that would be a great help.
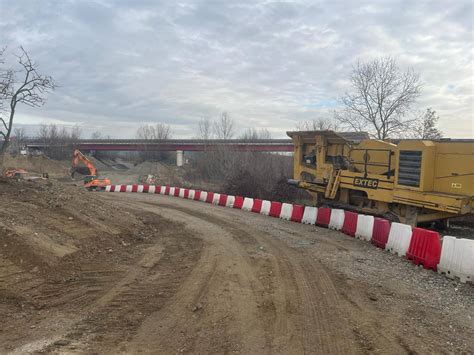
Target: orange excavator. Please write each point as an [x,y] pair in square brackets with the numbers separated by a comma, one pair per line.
[91,180]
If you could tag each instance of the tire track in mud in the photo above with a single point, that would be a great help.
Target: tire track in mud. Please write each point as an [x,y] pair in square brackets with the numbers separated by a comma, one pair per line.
[114,316]
[311,309]
[225,283]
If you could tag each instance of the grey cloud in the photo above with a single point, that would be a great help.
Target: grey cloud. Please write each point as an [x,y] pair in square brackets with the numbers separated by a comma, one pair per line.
[267,63]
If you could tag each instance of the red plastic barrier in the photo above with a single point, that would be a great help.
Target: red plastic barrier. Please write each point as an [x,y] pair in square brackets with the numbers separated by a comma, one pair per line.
[222,200]
[324,216]
[425,248]
[186,193]
[350,223]
[380,232]
[134,188]
[297,214]
[239,201]
[176,191]
[210,197]
[275,209]
[146,188]
[257,205]
[157,189]
[112,188]
[197,195]
[123,188]
[167,190]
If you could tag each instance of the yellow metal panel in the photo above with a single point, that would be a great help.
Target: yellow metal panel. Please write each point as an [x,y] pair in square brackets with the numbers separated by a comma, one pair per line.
[454,168]
[435,201]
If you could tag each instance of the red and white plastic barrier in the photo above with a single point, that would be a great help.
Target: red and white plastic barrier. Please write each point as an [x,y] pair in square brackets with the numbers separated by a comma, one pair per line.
[247,204]
[257,205]
[286,211]
[399,239]
[425,248]
[457,259]
[365,227]
[216,198]
[454,257]
[310,215]
[381,232]
[203,196]
[230,201]
[337,219]
[324,217]
[265,209]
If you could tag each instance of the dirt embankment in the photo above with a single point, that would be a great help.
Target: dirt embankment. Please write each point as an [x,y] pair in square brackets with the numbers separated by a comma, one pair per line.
[37,165]
[111,273]
[65,254]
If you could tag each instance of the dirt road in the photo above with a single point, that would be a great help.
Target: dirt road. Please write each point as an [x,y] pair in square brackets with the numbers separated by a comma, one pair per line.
[207,279]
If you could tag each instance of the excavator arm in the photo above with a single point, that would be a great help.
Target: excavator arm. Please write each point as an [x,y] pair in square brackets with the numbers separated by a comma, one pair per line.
[91,181]
[76,158]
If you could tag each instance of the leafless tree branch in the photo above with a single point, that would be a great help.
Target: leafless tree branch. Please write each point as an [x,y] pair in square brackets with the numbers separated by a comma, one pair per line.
[23,86]
[381,98]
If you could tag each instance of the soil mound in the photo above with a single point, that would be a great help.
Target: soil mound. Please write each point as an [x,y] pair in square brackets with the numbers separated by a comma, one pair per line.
[37,164]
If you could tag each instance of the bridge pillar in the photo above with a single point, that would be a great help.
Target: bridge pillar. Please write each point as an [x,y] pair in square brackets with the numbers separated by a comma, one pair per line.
[179,157]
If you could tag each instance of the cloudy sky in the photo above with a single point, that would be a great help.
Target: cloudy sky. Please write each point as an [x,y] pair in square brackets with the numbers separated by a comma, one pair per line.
[269,64]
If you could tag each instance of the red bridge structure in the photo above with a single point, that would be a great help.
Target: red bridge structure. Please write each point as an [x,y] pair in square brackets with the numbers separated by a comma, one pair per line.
[177,145]
[183,145]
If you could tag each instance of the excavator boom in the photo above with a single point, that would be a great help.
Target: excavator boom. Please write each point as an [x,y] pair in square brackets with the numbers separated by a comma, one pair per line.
[91,181]
[78,156]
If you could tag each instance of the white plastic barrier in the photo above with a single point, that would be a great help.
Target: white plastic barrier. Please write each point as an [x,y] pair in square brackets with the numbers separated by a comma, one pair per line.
[172,190]
[118,188]
[181,193]
[107,188]
[191,194]
[230,201]
[265,210]
[151,189]
[310,214]
[203,196]
[337,219]
[457,258]
[162,190]
[365,227]
[216,198]
[399,239]
[140,188]
[248,204]
[286,211]
[128,188]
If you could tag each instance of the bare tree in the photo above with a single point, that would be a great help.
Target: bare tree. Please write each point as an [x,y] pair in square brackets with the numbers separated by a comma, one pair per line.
[253,133]
[160,131]
[59,140]
[205,128]
[76,133]
[382,96]
[5,81]
[224,127]
[96,135]
[20,134]
[18,140]
[320,124]
[425,126]
[24,86]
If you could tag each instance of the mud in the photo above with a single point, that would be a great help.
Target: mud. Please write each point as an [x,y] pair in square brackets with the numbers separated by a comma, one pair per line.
[109,273]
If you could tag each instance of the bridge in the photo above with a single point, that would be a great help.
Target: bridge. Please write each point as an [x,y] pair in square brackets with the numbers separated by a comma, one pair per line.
[172,145]
[188,145]
[183,145]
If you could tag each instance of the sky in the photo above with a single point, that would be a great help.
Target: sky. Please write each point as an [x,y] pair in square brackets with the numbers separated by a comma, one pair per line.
[120,64]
